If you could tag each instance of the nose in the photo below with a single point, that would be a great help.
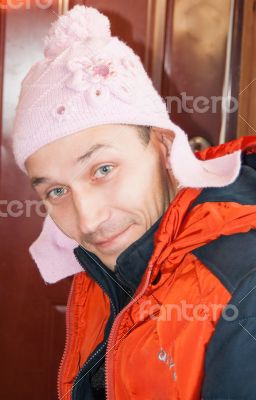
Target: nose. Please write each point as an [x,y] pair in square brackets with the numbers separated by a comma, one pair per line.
[91,211]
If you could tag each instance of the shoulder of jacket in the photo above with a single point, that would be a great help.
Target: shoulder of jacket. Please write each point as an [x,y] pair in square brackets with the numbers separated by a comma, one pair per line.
[242,190]
[232,257]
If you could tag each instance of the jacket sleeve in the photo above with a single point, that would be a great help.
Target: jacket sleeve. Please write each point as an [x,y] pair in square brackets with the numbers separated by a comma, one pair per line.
[230,362]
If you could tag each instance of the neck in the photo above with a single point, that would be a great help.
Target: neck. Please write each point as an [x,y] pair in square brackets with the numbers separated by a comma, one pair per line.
[171,189]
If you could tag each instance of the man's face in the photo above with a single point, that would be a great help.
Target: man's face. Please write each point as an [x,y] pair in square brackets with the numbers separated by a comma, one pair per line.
[103,186]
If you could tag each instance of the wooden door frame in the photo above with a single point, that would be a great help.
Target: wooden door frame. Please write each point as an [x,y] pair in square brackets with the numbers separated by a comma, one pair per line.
[2,49]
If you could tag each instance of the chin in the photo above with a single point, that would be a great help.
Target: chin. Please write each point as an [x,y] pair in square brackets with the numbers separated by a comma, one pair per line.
[109,251]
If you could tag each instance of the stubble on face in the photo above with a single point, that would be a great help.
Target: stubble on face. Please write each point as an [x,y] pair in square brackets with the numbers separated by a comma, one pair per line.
[132,197]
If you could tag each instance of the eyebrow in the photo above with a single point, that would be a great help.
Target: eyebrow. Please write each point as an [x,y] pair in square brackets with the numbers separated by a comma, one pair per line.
[93,149]
[39,180]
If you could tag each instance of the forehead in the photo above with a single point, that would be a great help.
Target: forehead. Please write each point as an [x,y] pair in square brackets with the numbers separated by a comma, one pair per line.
[83,145]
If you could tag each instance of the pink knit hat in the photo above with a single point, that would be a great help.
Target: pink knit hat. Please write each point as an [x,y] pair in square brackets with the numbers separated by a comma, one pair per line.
[89,78]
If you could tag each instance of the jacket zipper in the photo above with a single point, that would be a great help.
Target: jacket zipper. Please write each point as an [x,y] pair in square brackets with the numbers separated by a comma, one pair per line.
[112,336]
[67,334]
[77,379]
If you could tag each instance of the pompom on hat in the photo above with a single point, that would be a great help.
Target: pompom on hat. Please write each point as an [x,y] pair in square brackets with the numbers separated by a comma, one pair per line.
[80,25]
[89,78]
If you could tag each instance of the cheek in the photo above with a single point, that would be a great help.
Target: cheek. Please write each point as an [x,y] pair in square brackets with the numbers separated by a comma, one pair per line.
[132,191]
[64,216]
[145,191]
[128,190]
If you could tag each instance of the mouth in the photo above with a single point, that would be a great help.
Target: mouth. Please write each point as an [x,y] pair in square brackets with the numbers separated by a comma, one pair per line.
[111,240]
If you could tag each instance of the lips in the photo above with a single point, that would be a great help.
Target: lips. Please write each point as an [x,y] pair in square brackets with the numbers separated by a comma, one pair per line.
[107,241]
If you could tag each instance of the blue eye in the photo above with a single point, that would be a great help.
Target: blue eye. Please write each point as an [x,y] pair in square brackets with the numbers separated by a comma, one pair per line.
[56,192]
[103,171]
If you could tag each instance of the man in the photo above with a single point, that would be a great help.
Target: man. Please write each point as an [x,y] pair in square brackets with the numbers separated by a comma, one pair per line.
[163,300]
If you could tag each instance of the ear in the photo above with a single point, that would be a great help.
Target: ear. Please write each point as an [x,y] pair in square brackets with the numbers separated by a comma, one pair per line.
[165,138]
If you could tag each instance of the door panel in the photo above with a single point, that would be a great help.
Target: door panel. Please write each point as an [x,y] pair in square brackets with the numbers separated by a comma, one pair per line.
[194,64]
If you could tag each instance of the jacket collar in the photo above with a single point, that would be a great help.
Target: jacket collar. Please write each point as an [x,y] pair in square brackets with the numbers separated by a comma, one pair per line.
[130,267]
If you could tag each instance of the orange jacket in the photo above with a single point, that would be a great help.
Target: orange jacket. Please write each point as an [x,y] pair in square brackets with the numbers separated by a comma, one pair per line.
[158,342]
